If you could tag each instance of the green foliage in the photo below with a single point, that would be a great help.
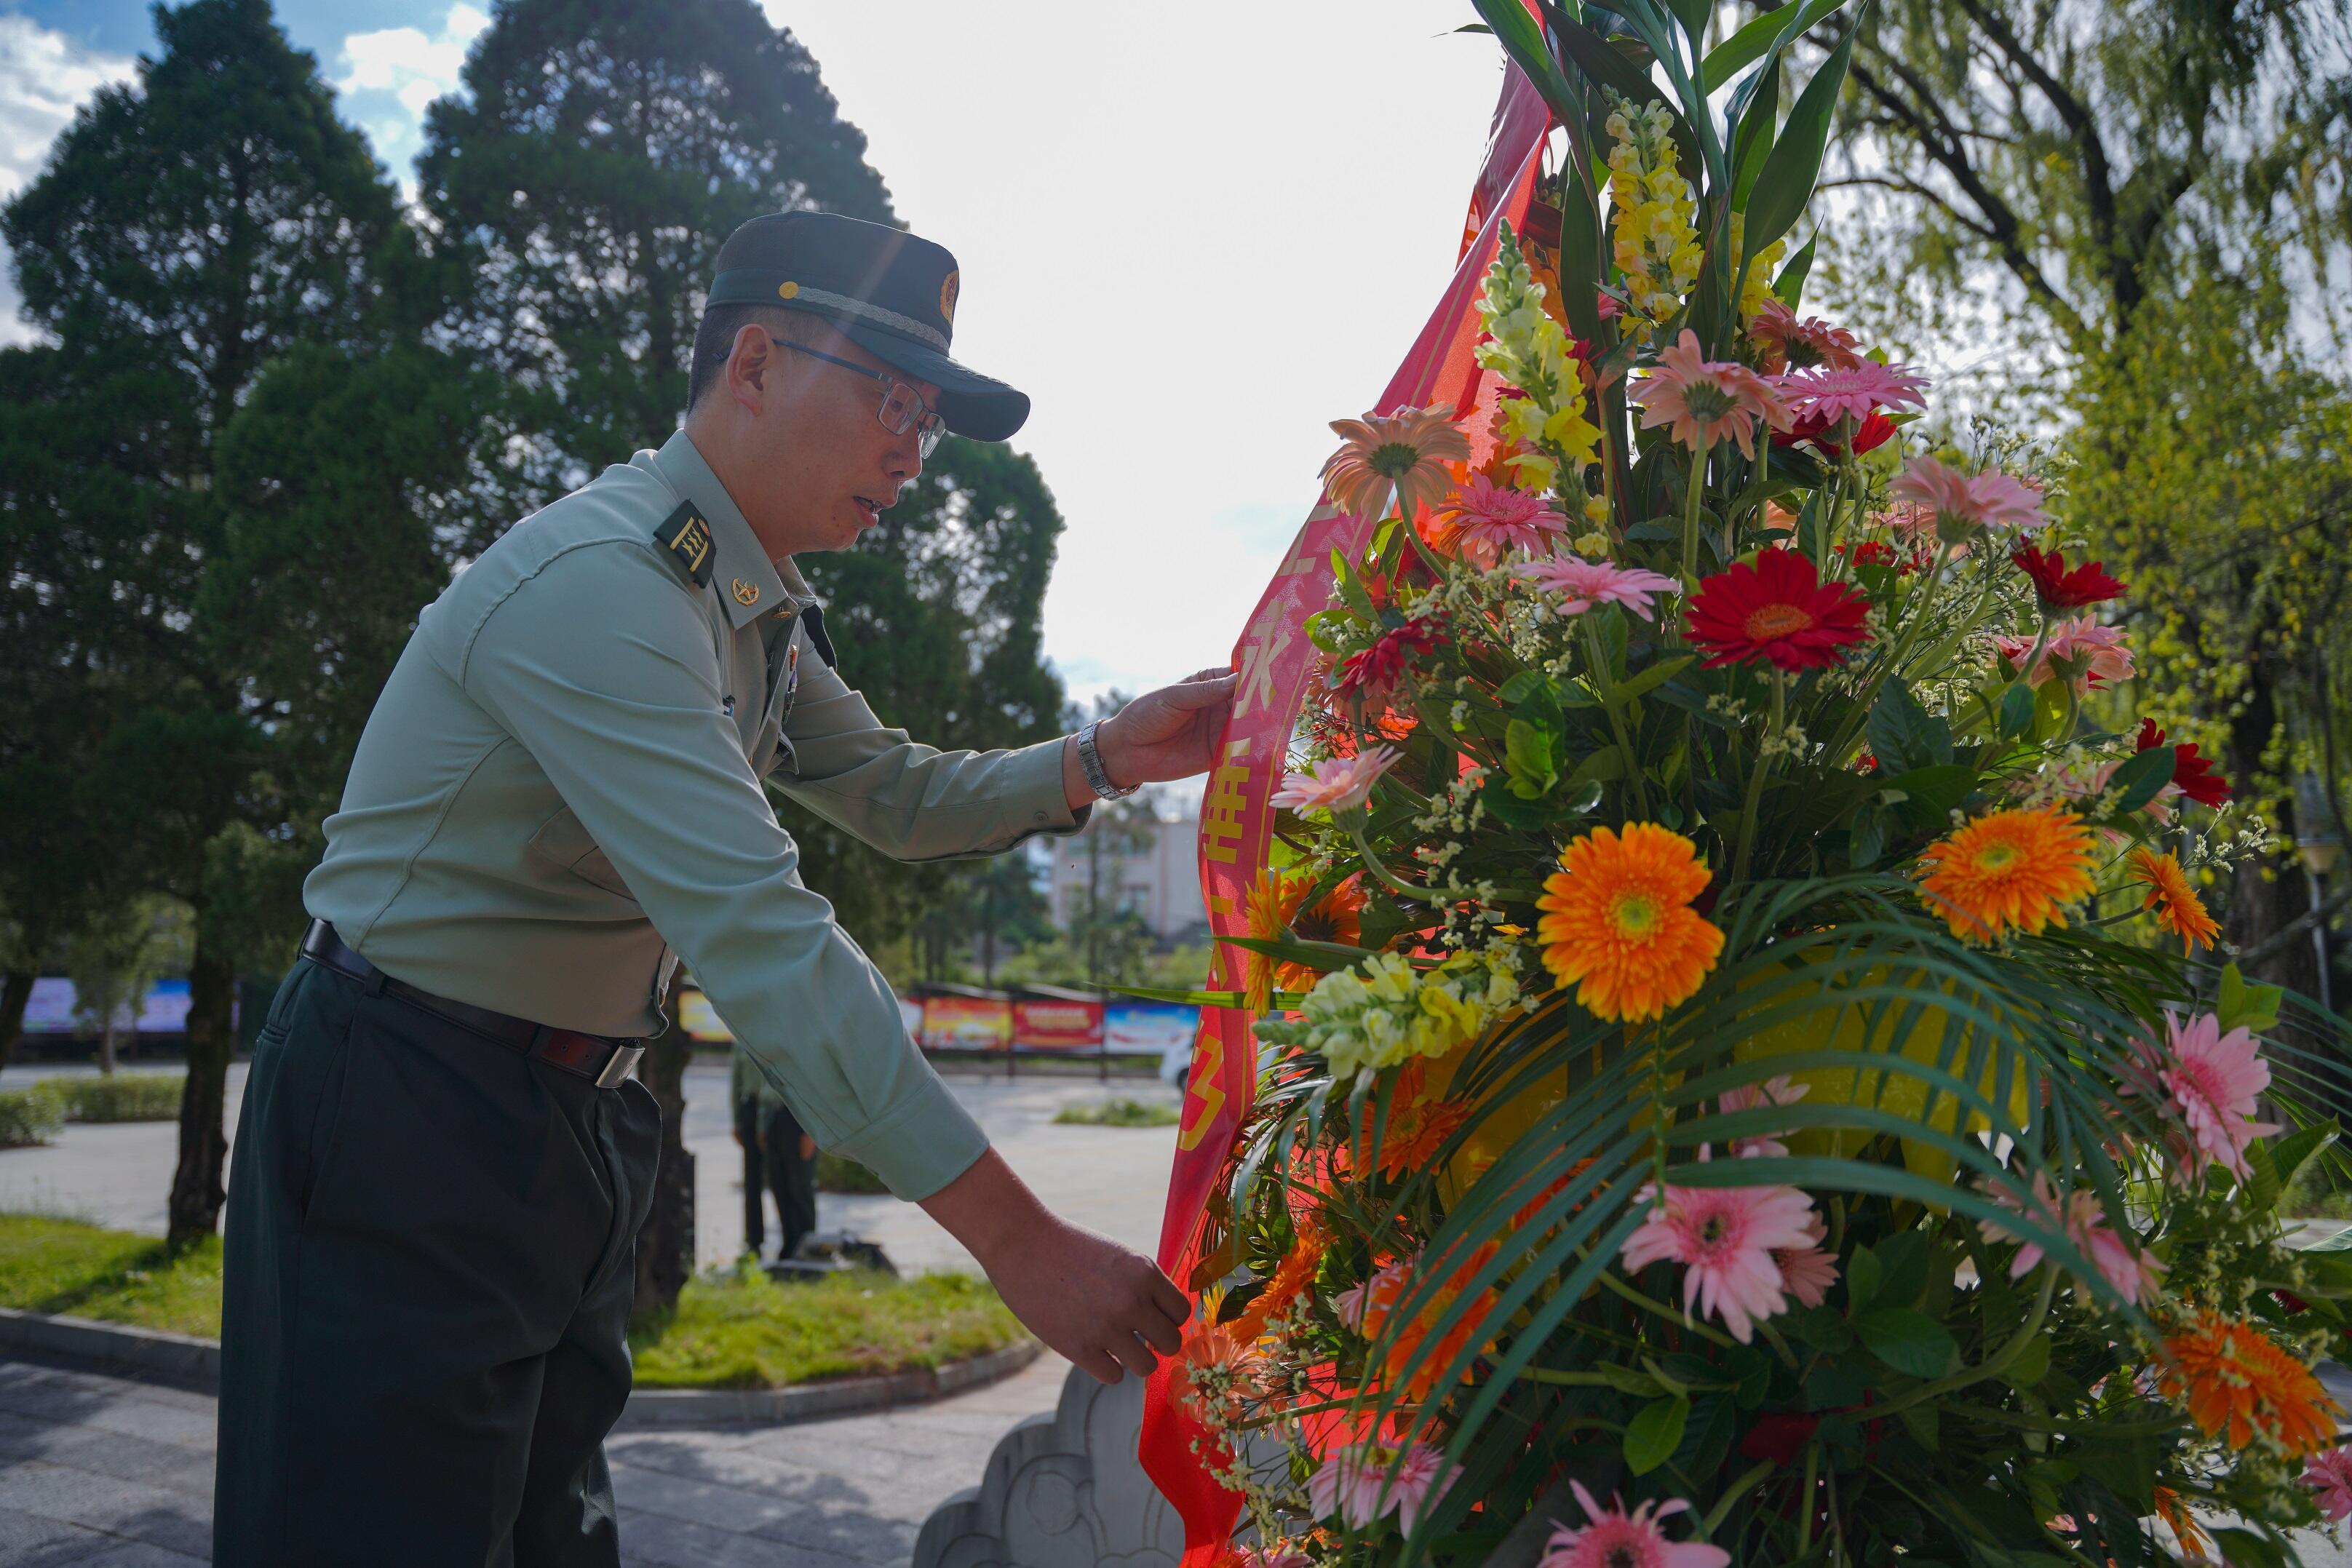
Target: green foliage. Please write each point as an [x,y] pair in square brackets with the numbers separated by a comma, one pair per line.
[2143,203]
[598,155]
[184,233]
[740,1330]
[1119,1111]
[29,1116]
[119,1097]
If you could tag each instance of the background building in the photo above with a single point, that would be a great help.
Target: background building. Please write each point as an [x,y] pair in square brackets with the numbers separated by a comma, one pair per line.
[1144,862]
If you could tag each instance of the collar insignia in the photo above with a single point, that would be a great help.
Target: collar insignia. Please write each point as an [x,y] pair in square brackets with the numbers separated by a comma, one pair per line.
[686,536]
[746,593]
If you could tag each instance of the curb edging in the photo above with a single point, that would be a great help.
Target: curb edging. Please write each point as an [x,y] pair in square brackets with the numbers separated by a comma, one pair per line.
[187,1361]
[649,1407]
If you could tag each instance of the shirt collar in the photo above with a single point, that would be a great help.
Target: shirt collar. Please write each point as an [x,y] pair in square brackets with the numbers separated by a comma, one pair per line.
[749,584]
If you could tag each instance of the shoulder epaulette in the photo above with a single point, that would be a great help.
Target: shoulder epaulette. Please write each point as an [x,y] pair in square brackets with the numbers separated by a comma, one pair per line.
[687,538]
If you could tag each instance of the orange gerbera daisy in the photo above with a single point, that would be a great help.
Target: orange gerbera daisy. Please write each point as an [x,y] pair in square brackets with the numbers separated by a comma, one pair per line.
[2196,1546]
[1291,1277]
[1418,1124]
[1274,902]
[1389,1287]
[2239,1384]
[1410,449]
[2009,871]
[2177,908]
[1618,922]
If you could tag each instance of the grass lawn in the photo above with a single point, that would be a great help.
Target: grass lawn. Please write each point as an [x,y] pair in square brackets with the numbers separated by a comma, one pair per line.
[1118,1113]
[730,1331]
[59,1266]
[745,1331]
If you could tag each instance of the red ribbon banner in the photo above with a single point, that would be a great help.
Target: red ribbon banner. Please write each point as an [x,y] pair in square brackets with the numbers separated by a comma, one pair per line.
[1276,661]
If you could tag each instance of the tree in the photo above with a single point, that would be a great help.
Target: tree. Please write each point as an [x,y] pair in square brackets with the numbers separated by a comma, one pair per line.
[603,152]
[186,231]
[2144,198]
[125,946]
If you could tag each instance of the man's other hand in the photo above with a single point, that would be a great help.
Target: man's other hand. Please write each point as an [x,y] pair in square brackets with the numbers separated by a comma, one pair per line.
[1168,734]
[1108,1309]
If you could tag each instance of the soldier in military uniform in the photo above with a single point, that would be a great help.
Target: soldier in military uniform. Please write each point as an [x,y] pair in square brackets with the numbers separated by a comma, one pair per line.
[442,1160]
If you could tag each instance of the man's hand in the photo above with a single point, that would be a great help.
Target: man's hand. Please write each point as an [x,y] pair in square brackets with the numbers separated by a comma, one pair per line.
[1168,734]
[1106,1308]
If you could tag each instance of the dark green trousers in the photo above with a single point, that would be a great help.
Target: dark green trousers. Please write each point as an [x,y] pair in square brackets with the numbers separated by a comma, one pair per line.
[423,1334]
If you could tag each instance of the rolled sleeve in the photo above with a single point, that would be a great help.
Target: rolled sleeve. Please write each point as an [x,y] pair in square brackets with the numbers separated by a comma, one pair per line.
[911,801]
[628,727]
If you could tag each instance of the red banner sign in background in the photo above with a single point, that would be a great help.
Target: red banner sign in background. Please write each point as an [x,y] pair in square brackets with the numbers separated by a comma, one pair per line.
[1275,660]
[1058,1025]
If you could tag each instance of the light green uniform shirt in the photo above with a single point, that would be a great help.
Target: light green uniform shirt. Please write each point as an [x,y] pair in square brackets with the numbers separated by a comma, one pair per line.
[561,783]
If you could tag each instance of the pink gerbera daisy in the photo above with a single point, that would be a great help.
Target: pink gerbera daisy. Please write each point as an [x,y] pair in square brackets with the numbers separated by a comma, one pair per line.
[2213,1080]
[1700,401]
[1791,344]
[2089,654]
[1355,1483]
[1337,785]
[1965,503]
[1584,584]
[1830,393]
[1777,1090]
[1615,1539]
[2329,1475]
[1483,519]
[1725,1237]
[1810,1271]
[2132,1273]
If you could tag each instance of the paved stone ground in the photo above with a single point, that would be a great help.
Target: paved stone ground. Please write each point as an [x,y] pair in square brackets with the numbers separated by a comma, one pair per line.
[100,1473]
[1114,1179]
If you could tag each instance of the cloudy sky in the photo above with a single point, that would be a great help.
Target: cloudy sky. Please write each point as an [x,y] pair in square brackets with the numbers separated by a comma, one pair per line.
[1193,238]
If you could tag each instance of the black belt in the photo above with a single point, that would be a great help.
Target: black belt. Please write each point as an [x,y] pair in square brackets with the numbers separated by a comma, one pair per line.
[591,1056]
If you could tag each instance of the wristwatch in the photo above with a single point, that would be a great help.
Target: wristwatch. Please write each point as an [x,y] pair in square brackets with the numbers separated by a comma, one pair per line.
[1098,777]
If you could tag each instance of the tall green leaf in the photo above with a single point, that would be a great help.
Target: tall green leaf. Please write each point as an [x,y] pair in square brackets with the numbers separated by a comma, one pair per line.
[1794,164]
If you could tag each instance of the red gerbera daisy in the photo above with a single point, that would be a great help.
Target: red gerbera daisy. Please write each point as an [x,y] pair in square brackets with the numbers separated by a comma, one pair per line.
[1778,608]
[1817,427]
[2060,588]
[2192,773]
[1377,668]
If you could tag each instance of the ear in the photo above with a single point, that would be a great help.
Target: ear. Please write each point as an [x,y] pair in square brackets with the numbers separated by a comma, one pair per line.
[751,366]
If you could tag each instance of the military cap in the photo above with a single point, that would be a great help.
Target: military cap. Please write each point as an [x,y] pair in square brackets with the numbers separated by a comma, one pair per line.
[888,292]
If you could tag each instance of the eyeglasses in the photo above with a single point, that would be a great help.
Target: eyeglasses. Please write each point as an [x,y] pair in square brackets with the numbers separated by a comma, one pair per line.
[902,405]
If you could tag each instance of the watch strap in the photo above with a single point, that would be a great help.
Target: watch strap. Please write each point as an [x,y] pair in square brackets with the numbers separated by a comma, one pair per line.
[1098,777]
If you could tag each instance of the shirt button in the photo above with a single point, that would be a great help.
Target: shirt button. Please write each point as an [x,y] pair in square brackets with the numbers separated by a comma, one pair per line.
[1038,818]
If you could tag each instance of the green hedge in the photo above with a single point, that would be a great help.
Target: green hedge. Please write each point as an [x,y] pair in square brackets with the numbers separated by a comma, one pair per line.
[29,1116]
[124,1097]
[33,1115]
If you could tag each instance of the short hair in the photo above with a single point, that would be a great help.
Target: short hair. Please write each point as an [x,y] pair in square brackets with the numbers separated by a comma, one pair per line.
[714,339]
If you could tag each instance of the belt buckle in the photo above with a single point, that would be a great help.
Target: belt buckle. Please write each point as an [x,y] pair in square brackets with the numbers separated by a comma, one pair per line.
[619,1065]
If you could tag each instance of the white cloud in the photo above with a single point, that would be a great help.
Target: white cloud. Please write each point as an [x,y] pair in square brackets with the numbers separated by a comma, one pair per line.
[1194,236]
[44,78]
[390,76]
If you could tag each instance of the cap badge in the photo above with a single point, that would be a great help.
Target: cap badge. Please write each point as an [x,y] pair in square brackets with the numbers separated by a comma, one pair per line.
[788,290]
[948,286]
[746,592]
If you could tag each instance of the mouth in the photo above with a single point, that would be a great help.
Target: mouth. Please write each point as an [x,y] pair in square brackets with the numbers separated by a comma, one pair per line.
[868,509]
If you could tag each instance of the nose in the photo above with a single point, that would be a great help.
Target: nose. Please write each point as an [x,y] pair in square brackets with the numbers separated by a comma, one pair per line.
[906,456]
